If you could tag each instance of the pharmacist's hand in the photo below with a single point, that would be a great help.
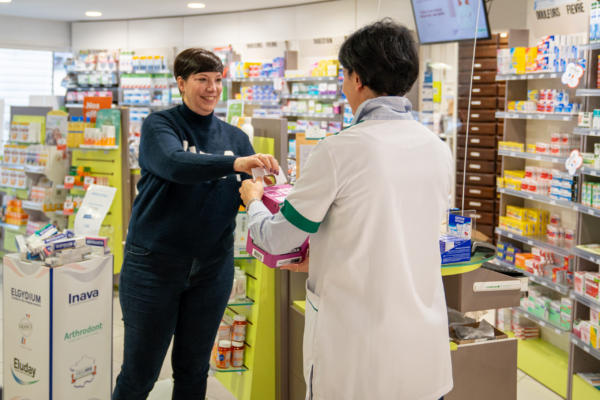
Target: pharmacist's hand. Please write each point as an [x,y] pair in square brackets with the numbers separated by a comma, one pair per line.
[266,161]
[302,267]
[252,190]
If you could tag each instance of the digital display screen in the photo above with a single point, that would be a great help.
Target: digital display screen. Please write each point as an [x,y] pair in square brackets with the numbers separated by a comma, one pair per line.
[440,21]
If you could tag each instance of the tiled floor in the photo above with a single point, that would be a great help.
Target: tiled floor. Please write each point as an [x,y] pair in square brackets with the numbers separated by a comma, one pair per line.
[527,387]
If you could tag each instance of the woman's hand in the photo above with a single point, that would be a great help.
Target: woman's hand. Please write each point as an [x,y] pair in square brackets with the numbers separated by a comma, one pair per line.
[266,161]
[302,267]
[251,190]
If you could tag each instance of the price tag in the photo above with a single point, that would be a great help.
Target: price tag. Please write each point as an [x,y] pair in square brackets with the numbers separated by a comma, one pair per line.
[523,77]
[552,75]
[510,235]
[529,116]
[530,197]
[591,212]
[544,284]
[538,158]
[513,78]
[575,208]
[587,349]
[566,118]
[555,160]
[542,117]
[512,154]
[573,341]
[592,259]
[514,116]
[529,242]
[526,315]
[542,323]
[559,332]
[541,76]
[594,173]
[553,202]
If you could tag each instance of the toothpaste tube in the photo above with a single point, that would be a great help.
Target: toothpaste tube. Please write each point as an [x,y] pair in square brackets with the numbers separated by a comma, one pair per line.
[22,248]
[70,233]
[49,231]
[100,251]
[64,244]
[39,246]
[96,241]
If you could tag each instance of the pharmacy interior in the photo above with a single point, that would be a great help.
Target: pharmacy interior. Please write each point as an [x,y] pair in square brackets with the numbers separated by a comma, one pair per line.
[513,108]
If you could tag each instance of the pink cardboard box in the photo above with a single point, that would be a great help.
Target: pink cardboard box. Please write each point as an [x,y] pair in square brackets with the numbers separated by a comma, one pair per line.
[275,196]
[296,256]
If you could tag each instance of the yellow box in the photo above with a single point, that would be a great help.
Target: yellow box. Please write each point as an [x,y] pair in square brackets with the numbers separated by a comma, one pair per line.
[513,184]
[530,59]
[535,215]
[532,95]
[517,60]
[515,174]
[517,213]
[503,221]
[500,182]
[512,106]
[531,148]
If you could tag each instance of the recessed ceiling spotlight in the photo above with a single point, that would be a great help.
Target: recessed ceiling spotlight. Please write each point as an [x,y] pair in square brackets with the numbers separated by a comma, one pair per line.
[196,5]
[93,13]
[5,1]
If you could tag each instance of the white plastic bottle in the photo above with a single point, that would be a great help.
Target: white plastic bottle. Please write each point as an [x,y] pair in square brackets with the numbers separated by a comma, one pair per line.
[248,130]
[241,281]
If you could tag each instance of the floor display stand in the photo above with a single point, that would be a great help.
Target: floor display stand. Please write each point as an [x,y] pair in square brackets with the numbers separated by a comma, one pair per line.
[259,377]
[57,330]
[555,358]
[113,164]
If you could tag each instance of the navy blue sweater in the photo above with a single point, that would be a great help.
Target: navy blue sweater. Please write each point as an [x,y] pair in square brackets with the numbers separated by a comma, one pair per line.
[187,203]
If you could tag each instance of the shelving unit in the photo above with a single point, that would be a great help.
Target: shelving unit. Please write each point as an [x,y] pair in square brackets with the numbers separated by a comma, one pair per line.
[522,77]
[558,372]
[542,322]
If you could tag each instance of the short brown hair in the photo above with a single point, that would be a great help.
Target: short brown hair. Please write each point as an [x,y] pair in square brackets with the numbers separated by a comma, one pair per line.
[195,60]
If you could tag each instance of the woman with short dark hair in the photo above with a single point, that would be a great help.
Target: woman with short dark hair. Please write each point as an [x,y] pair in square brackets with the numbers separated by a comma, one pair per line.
[178,269]
[372,198]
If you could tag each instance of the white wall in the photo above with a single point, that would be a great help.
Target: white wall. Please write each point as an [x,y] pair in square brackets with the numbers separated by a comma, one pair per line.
[34,34]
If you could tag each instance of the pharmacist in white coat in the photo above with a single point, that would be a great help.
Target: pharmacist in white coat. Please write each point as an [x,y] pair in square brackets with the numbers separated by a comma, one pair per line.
[372,199]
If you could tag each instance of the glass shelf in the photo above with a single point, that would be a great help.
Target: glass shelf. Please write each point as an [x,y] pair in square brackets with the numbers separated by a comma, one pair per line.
[584,300]
[312,115]
[523,77]
[536,116]
[32,205]
[262,102]
[585,347]
[311,78]
[595,212]
[589,171]
[13,227]
[231,369]
[241,302]
[586,131]
[530,156]
[536,240]
[537,279]
[311,96]
[595,258]
[542,322]
[587,92]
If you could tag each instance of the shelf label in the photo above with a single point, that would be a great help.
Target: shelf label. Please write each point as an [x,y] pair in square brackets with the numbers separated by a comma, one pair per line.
[526,315]
[587,349]
[523,77]
[529,116]
[573,341]
[553,202]
[592,259]
[510,235]
[553,75]
[575,208]
[541,76]
[544,284]
[538,158]
[559,332]
[542,323]
[529,242]
[566,118]
[513,78]
[594,173]
[530,197]
[512,154]
[555,160]
[591,212]
[542,117]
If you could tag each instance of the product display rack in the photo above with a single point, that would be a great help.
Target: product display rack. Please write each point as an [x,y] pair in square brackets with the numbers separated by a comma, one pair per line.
[487,97]
[526,128]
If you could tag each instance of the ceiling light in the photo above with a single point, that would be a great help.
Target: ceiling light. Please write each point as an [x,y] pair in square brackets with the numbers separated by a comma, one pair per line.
[503,35]
[196,5]
[93,13]
[5,1]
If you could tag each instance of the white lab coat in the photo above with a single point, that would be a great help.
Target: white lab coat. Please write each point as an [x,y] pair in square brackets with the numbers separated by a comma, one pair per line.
[376,323]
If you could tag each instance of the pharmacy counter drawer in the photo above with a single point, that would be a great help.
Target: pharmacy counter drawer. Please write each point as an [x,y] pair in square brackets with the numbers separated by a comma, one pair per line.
[480,64]
[501,103]
[477,154]
[485,51]
[483,167]
[477,115]
[478,103]
[489,90]
[487,230]
[477,141]
[502,90]
[462,296]
[483,218]
[485,370]
[476,179]
[464,78]
[478,192]
[475,204]
[478,128]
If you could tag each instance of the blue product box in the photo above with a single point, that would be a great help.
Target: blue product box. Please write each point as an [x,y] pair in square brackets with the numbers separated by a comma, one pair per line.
[500,255]
[454,249]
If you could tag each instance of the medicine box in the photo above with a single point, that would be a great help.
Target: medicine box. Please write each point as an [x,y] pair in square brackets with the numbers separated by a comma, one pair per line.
[454,249]
[295,256]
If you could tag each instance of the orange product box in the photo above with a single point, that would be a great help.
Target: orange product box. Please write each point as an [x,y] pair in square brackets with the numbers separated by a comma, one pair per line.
[521,258]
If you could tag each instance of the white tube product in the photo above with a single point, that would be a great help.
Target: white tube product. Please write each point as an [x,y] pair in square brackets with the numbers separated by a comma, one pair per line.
[249,130]
[240,284]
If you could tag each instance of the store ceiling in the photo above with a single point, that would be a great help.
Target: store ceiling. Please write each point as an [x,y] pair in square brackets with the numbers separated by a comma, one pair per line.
[74,10]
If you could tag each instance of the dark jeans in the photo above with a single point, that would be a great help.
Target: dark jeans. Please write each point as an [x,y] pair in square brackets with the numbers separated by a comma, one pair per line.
[161,296]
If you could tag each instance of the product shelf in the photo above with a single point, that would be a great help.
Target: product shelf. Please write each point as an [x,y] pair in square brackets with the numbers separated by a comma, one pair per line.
[542,322]
[595,258]
[93,147]
[147,88]
[591,46]
[32,169]
[262,102]
[537,279]
[10,226]
[32,205]
[584,300]
[536,240]
[13,166]
[311,79]
[73,188]
[586,131]
[531,156]
[536,116]
[74,105]
[590,171]
[585,347]
[521,77]
[214,368]
[311,96]
[259,79]
[241,302]
[312,115]
[294,131]
[587,92]
[539,197]
[147,105]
